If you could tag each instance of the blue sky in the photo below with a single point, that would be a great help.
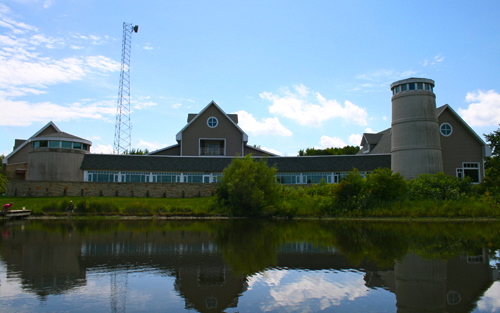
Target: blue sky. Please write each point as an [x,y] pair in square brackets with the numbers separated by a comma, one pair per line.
[300,74]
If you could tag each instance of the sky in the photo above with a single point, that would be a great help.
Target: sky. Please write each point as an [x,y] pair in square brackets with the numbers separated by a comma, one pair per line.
[299,74]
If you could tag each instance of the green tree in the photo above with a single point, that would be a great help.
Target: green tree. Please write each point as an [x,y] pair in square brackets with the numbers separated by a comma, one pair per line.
[3,178]
[491,182]
[248,187]
[383,185]
[438,187]
[349,194]
[134,151]
[347,150]
[3,183]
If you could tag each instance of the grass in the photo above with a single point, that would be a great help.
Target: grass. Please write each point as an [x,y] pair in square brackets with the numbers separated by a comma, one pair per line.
[295,205]
[90,206]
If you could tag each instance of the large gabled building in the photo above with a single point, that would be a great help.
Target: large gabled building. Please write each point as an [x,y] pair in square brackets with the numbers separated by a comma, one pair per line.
[422,139]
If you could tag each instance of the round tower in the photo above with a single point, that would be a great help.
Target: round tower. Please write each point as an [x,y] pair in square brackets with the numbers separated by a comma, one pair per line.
[416,145]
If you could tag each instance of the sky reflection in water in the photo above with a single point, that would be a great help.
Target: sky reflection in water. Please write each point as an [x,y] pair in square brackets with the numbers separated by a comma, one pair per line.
[205,267]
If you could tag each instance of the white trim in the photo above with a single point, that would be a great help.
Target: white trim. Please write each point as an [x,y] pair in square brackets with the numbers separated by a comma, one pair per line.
[179,134]
[27,141]
[212,139]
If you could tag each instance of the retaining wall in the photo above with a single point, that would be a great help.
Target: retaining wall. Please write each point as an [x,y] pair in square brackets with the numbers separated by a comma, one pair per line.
[22,188]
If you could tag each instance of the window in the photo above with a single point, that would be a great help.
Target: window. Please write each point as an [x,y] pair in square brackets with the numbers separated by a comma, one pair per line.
[54,144]
[420,86]
[411,86]
[212,122]
[471,169]
[66,144]
[403,87]
[445,129]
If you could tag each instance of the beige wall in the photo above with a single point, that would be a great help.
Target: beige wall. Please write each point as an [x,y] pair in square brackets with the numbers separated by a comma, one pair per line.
[77,189]
[199,130]
[460,146]
[55,164]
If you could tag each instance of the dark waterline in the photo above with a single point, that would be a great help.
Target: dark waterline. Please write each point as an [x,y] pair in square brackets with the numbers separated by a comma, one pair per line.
[248,266]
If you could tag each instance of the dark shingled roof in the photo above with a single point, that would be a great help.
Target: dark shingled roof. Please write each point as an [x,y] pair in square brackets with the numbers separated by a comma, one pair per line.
[323,163]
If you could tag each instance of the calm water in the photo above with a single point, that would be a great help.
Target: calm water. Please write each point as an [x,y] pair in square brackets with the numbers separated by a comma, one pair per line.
[248,266]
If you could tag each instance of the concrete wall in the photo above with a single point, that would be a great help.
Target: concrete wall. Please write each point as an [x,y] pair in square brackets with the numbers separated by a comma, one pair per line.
[416,145]
[21,188]
[55,164]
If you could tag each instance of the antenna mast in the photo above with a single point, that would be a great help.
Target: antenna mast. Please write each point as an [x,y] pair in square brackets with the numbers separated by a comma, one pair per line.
[123,127]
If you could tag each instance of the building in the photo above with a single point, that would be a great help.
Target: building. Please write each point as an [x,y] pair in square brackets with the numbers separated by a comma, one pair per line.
[422,139]
[426,139]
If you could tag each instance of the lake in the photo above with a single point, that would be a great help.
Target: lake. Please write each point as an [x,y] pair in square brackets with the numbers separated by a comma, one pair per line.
[248,266]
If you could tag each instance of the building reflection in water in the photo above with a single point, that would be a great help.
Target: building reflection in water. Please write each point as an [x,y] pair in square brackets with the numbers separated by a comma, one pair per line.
[52,263]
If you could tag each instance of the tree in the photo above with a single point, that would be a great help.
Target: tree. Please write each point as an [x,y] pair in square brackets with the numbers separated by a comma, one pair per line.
[349,194]
[134,151]
[3,178]
[248,187]
[383,185]
[347,150]
[491,181]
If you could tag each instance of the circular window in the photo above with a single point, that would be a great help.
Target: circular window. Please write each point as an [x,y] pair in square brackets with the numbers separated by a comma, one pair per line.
[212,122]
[453,297]
[445,129]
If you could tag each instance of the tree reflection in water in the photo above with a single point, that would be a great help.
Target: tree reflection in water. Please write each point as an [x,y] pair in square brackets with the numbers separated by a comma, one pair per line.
[218,266]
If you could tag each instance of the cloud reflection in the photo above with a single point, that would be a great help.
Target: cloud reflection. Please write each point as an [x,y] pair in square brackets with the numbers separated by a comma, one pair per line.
[302,291]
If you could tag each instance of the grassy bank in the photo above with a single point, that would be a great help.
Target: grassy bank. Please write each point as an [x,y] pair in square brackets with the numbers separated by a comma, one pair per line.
[95,206]
[301,206]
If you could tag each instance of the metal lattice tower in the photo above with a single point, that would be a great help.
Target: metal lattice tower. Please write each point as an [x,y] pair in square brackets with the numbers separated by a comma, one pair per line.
[123,127]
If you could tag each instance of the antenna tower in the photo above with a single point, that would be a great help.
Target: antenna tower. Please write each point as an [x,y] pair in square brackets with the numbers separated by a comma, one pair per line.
[123,128]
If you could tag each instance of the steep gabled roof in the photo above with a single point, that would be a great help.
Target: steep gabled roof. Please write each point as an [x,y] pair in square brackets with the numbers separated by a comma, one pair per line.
[380,143]
[178,137]
[441,109]
[49,124]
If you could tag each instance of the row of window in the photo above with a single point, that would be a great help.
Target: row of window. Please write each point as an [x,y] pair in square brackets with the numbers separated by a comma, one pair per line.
[150,177]
[59,144]
[412,86]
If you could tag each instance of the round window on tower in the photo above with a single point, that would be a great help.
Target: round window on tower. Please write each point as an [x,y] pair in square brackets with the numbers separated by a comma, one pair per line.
[212,122]
[445,129]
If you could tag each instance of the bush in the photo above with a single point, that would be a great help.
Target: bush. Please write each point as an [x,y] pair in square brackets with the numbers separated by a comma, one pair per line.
[385,186]
[3,183]
[248,188]
[438,187]
[350,192]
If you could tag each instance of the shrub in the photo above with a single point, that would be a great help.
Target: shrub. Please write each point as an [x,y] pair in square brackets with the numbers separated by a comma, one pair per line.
[438,187]
[248,187]
[349,194]
[385,186]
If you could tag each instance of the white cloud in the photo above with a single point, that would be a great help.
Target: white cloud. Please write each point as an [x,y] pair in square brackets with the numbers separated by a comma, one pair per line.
[24,66]
[484,108]
[331,142]
[267,126]
[382,76]
[311,108]
[490,302]
[147,46]
[104,149]
[150,145]
[434,61]
[26,113]
[355,139]
[315,291]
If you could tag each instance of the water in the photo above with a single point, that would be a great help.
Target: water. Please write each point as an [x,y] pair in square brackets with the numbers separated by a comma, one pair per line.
[248,266]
